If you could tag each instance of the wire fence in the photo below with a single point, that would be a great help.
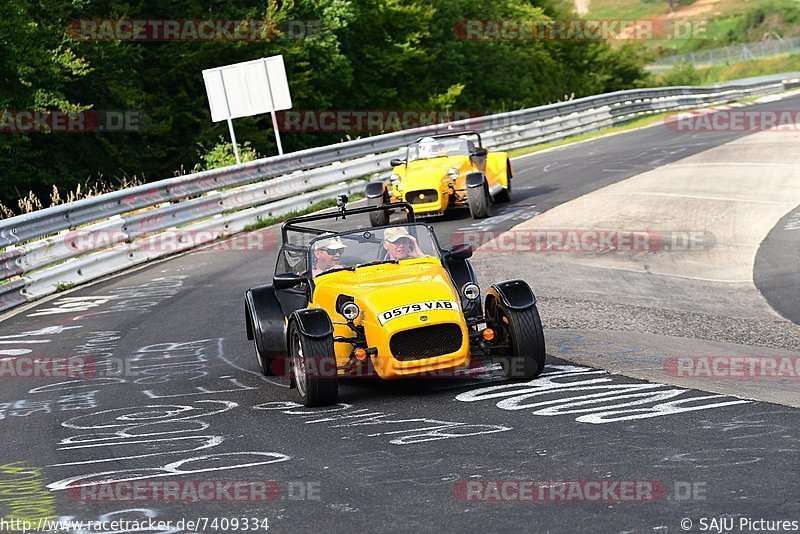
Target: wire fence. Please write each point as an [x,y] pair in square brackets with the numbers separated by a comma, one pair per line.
[732,54]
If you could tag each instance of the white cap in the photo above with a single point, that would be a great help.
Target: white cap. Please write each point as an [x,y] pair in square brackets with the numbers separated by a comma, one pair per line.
[333,243]
[393,234]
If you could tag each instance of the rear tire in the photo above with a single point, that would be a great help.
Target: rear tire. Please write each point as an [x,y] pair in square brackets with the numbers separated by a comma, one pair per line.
[313,363]
[480,203]
[378,218]
[522,331]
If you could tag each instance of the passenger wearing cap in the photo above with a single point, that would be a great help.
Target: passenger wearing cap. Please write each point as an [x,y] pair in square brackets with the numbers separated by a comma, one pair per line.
[400,245]
[327,254]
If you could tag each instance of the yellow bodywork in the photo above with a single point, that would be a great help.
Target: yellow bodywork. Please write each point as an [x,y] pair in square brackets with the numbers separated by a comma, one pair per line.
[381,288]
[431,174]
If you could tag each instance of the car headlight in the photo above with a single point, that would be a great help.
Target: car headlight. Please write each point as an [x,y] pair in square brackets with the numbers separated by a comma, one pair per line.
[471,291]
[350,311]
[453,173]
[395,181]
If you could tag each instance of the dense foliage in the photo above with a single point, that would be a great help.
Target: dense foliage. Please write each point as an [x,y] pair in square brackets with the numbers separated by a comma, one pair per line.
[369,54]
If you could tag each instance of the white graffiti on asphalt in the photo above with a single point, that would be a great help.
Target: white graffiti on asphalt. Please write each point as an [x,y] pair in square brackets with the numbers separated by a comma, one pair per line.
[128,299]
[374,424]
[132,514]
[175,368]
[15,339]
[592,394]
[135,432]
[65,403]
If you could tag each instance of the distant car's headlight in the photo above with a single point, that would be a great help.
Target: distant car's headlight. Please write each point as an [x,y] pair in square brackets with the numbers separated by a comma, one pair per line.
[350,311]
[471,291]
[453,173]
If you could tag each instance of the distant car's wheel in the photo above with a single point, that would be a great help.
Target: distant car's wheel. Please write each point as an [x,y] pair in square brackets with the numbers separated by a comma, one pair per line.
[480,203]
[378,218]
[522,331]
[313,368]
[505,194]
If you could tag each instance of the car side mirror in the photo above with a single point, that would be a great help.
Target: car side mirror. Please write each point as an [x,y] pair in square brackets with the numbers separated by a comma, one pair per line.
[396,162]
[287,280]
[480,152]
[460,252]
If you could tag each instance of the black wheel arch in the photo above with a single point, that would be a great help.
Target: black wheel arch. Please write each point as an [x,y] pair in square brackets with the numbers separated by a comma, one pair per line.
[514,294]
[475,179]
[375,190]
[265,321]
[312,322]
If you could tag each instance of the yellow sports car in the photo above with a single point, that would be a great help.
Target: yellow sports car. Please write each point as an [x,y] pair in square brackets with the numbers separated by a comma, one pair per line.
[445,171]
[385,301]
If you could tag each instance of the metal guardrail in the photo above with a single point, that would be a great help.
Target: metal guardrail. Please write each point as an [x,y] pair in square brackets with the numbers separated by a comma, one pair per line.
[94,237]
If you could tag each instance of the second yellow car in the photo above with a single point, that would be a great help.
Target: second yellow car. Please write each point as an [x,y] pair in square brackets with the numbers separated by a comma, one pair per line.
[445,171]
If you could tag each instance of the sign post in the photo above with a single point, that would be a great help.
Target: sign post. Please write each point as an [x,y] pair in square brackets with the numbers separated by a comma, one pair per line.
[247,89]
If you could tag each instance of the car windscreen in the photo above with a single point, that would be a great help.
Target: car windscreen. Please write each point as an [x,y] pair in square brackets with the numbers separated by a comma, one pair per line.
[440,147]
[359,248]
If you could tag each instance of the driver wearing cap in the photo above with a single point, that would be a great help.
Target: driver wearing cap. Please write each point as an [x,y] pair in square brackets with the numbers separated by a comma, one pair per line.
[327,254]
[400,245]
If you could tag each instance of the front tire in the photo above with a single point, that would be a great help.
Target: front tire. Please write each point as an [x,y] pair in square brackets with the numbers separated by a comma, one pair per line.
[313,363]
[522,331]
[480,203]
[378,218]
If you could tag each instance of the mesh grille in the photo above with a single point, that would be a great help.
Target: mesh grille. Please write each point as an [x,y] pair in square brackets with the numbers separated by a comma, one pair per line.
[428,195]
[426,342]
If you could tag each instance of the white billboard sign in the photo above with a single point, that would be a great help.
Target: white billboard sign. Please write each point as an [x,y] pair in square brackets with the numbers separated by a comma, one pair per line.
[247,89]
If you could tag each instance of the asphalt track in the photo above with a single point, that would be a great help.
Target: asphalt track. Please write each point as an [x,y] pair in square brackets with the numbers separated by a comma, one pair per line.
[392,457]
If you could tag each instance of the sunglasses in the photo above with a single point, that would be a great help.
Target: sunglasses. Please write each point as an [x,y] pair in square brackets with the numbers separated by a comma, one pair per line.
[332,251]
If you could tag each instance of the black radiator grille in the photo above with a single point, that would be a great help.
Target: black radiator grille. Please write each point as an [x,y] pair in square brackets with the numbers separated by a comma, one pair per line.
[422,197]
[426,342]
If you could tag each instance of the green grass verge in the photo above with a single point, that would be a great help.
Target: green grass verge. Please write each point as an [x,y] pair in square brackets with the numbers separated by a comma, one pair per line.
[64,286]
[746,69]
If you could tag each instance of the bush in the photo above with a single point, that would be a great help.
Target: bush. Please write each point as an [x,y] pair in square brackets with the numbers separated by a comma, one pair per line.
[682,74]
[222,155]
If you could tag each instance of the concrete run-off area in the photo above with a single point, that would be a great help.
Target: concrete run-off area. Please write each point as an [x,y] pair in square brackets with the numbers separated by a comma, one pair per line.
[697,289]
